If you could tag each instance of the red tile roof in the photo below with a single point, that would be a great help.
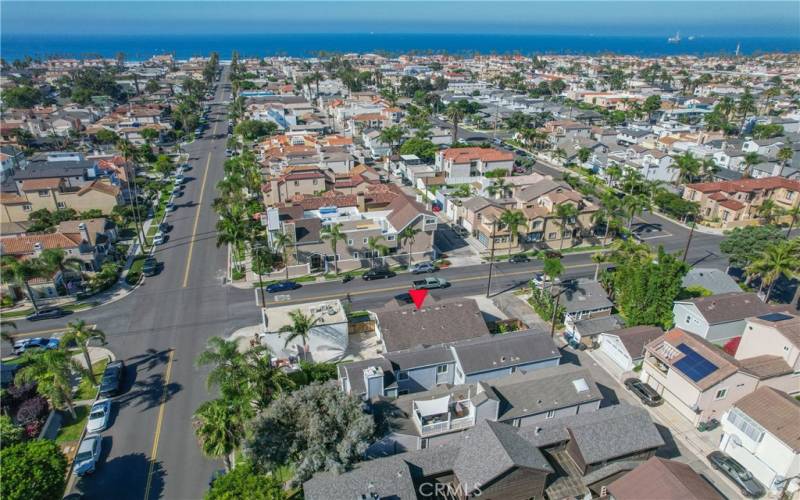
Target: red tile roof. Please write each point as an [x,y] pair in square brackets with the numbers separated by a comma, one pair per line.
[24,244]
[732,205]
[746,185]
[463,155]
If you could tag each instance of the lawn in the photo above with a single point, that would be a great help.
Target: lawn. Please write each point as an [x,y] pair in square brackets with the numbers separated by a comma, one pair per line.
[136,270]
[71,429]
[86,390]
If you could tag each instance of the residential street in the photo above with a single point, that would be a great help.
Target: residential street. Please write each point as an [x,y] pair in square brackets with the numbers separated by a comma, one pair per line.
[158,330]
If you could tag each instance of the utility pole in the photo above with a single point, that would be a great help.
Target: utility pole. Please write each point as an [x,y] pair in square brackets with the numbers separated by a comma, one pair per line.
[491,260]
[689,241]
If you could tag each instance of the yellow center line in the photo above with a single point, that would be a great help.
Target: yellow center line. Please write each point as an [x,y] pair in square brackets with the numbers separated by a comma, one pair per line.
[405,287]
[37,333]
[154,451]
[197,217]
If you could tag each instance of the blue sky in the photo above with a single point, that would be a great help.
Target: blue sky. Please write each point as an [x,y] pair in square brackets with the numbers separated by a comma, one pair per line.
[596,17]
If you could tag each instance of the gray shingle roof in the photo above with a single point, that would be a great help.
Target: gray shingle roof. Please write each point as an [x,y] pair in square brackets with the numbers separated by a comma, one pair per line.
[584,295]
[596,326]
[491,353]
[711,279]
[619,436]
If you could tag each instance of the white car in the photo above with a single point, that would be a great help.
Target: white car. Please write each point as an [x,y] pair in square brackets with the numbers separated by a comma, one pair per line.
[158,239]
[98,417]
[179,179]
[88,454]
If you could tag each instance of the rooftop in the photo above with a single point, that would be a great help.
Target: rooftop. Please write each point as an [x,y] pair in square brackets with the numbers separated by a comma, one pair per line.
[329,312]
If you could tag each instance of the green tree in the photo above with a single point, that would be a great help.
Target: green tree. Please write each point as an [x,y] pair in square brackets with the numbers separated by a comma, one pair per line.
[785,155]
[742,244]
[106,136]
[229,371]
[152,86]
[406,237]
[233,229]
[688,168]
[33,470]
[651,105]
[255,129]
[584,154]
[376,248]
[283,243]
[163,165]
[149,135]
[552,268]
[499,188]
[81,333]
[219,426]
[244,481]
[567,214]
[750,160]
[769,210]
[22,97]
[780,258]
[634,205]
[746,105]
[333,234]
[55,259]
[20,273]
[455,113]
[513,220]
[301,327]
[392,136]
[10,434]
[52,372]
[423,148]
[316,428]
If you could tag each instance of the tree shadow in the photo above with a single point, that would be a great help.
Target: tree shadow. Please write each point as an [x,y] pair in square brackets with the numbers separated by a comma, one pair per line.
[670,448]
[149,393]
[125,476]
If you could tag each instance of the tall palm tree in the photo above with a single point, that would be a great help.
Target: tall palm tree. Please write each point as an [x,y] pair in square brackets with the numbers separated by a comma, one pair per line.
[552,268]
[608,213]
[129,154]
[499,188]
[750,160]
[264,379]
[301,327]
[52,372]
[707,169]
[55,259]
[688,168]
[21,272]
[376,247]
[513,220]
[634,205]
[283,242]
[455,113]
[785,155]
[80,333]
[779,259]
[794,213]
[769,210]
[333,233]
[219,426]
[598,258]
[229,370]
[392,136]
[565,212]
[232,229]
[407,237]
[613,172]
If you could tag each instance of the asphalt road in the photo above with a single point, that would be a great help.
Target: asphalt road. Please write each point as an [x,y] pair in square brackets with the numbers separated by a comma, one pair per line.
[159,329]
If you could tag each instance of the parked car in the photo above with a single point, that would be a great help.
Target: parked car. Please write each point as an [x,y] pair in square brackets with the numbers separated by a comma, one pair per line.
[88,454]
[430,284]
[165,227]
[377,274]
[520,257]
[150,267]
[111,383]
[424,267]
[171,207]
[176,191]
[461,231]
[538,279]
[179,178]
[159,238]
[644,392]
[99,415]
[283,286]
[47,313]
[21,346]
[553,254]
[748,485]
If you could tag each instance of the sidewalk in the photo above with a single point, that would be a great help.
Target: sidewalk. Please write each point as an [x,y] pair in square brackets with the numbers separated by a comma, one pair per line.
[515,306]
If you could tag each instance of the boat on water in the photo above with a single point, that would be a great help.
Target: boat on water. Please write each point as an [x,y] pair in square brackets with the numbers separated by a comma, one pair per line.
[675,39]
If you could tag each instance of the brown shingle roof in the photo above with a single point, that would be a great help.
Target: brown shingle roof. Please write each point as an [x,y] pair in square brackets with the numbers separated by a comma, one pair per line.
[777,412]
[636,337]
[37,184]
[765,366]
[404,210]
[661,479]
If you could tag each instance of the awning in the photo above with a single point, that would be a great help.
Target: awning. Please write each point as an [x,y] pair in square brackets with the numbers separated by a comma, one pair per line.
[427,408]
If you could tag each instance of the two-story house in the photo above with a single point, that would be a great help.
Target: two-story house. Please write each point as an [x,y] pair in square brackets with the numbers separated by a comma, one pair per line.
[718,317]
[461,164]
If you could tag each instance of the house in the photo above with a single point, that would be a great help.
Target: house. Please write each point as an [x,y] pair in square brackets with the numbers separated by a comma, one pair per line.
[718,317]
[628,137]
[327,339]
[662,479]
[716,281]
[430,418]
[459,362]
[736,203]
[625,347]
[587,331]
[761,431]
[571,456]
[701,381]
[775,337]
[584,298]
[463,163]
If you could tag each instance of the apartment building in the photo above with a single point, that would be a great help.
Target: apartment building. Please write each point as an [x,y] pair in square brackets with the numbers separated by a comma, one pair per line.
[459,164]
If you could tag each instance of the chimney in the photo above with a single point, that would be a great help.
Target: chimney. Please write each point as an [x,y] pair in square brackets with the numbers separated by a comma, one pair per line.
[84,233]
[37,249]
[373,382]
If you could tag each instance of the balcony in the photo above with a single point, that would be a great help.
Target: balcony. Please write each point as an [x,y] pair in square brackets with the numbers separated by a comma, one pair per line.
[442,415]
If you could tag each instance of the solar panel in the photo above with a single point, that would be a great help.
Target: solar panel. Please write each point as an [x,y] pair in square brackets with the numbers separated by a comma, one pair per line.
[695,366]
[775,317]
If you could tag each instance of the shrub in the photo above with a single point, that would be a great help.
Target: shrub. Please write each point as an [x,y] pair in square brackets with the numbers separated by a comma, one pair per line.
[31,410]
[10,434]
[33,429]
[133,277]
[543,303]
[19,393]
[33,470]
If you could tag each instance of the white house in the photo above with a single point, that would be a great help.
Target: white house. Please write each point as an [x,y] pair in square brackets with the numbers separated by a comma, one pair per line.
[760,431]
[625,347]
[327,339]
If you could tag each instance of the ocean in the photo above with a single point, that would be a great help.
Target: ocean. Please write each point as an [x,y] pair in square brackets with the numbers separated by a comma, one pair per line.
[140,47]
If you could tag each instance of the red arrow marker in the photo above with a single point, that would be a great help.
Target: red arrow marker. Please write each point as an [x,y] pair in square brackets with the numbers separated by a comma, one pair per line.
[418,296]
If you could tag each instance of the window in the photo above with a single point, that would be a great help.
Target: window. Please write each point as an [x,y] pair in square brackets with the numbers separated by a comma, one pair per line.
[61,205]
[789,195]
[355,255]
[366,240]
[27,207]
[552,236]
[296,183]
[401,375]
[550,414]
[390,237]
[350,242]
[441,369]
[721,394]
[44,193]
[314,182]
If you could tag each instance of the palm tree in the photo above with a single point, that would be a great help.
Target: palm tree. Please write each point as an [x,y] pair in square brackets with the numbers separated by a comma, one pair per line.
[20,272]
[301,327]
[334,234]
[598,258]
[455,113]
[613,172]
[282,242]
[52,372]
[229,370]
[232,229]
[219,426]
[633,205]
[56,259]
[565,212]
[785,155]
[80,333]
[499,188]
[608,212]
[513,220]
[779,259]
[768,210]
[707,169]
[794,213]
[264,379]
[407,236]
[688,168]
[746,105]
[750,159]
[552,268]
[391,136]
[129,154]
[376,247]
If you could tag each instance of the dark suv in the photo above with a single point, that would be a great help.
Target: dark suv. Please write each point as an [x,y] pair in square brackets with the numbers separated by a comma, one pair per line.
[111,383]
[377,274]
[748,485]
[644,392]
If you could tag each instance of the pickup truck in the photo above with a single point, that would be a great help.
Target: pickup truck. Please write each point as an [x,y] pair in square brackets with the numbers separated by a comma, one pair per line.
[430,284]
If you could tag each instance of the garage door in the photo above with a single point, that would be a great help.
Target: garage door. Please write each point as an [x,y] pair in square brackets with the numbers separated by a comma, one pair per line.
[612,347]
